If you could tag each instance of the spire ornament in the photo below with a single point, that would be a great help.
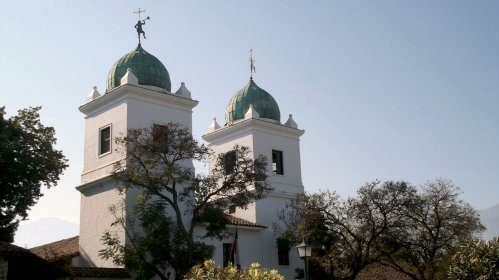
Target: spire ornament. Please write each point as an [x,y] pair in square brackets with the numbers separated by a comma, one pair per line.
[139,24]
[252,63]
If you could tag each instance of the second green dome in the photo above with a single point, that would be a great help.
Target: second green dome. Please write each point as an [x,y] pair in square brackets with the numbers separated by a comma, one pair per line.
[252,94]
[145,66]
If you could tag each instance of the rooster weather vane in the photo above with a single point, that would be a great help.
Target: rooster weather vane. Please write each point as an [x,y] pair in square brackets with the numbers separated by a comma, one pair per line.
[139,24]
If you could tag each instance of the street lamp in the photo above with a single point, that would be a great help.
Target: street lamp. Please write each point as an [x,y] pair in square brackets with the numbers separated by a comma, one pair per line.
[305,251]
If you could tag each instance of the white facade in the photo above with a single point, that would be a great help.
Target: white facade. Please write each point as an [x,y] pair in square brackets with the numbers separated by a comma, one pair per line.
[125,107]
[263,136]
[134,106]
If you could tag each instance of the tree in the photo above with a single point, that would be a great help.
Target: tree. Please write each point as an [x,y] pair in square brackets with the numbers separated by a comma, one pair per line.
[437,221]
[353,233]
[28,161]
[391,224]
[475,259]
[155,242]
[154,164]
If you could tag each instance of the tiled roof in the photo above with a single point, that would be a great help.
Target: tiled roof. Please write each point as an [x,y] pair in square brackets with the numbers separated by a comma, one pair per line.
[23,264]
[107,272]
[59,250]
[8,250]
[231,220]
[380,272]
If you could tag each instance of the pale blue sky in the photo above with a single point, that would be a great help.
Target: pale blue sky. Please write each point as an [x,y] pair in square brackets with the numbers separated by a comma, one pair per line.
[389,90]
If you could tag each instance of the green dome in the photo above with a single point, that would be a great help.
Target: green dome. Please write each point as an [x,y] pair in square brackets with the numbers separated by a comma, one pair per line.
[262,101]
[145,66]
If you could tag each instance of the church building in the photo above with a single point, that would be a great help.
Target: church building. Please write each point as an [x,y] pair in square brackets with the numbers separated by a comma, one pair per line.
[138,94]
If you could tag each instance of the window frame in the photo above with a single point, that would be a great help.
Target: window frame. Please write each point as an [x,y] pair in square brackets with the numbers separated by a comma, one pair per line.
[279,164]
[109,139]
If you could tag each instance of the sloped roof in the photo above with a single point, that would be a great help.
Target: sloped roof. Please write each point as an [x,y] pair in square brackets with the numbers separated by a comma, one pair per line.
[232,220]
[380,272]
[19,259]
[59,250]
[99,272]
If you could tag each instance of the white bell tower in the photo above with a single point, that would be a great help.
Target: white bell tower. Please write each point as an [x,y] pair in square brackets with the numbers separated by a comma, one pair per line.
[138,95]
[253,120]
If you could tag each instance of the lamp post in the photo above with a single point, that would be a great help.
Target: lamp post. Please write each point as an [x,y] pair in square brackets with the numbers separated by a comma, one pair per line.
[305,251]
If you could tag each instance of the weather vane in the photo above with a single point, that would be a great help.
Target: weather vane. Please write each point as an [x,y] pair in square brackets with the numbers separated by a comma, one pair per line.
[252,63]
[139,24]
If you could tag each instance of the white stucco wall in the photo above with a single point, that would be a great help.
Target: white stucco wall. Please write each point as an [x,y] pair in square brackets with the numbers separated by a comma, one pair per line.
[123,108]
[263,137]
[96,166]
[256,245]
[95,218]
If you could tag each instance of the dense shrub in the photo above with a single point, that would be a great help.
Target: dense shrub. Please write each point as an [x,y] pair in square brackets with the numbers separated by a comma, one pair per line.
[209,270]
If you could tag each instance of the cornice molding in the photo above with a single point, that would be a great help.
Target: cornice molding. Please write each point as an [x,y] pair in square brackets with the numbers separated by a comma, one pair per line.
[139,93]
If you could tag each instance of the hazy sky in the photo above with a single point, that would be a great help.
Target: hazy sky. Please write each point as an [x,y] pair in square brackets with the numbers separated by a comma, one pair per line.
[389,90]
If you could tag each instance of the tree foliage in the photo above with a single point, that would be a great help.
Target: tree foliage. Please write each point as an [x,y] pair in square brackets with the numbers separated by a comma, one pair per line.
[209,270]
[154,242]
[155,166]
[28,161]
[475,259]
[391,224]
[437,222]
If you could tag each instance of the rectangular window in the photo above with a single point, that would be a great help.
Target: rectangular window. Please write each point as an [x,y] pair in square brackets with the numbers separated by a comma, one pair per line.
[105,140]
[227,247]
[277,167]
[232,209]
[283,251]
[160,137]
[229,159]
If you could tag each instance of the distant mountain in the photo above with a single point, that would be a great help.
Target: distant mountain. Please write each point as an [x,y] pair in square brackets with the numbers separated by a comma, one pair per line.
[490,219]
[44,231]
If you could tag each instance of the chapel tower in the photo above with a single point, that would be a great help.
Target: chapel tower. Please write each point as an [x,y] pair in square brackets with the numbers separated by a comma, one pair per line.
[138,95]
[252,119]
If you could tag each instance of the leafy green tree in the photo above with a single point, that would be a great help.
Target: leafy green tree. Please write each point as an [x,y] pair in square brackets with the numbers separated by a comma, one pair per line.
[154,165]
[209,270]
[28,161]
[155,243]
[475,260]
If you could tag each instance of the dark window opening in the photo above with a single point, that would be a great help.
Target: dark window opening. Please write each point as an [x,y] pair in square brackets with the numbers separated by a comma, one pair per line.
[105,140]
[227,247]
[283,251]
[232,209]
[160,137]
[277,167]
[229,162]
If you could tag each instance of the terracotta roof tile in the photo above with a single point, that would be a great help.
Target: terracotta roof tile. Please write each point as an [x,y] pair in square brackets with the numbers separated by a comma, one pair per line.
[59,250]
[380,272]
[232,220]
[107,272]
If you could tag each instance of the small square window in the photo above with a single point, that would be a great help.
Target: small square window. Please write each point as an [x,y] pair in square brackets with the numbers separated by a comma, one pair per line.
[232,209]
[160,137]
[277,166]
[105,140]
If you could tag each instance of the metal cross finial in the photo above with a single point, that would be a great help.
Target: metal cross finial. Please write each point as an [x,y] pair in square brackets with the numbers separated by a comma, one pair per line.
[139,12]
[252,63]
